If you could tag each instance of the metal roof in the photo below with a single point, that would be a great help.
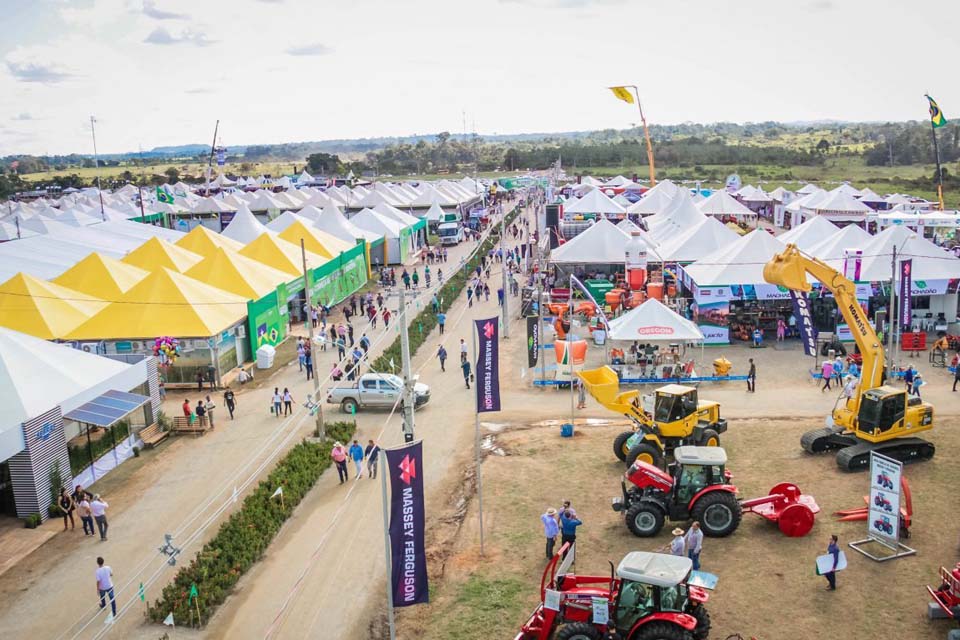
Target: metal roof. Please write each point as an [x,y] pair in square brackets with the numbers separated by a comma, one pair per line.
[658,569]
[107,409]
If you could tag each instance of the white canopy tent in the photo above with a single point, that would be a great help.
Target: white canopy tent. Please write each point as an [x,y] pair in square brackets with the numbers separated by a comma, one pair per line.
[834,246]
[595,202]
[652,202]
[245,227]
[740,262]
[810,233]
[930,262]
[336,224]
[721,203]
[653,321]
[601,243]
[695,242]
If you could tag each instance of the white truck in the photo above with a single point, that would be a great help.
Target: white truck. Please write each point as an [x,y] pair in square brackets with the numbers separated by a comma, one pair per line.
[375,390]
[450,233]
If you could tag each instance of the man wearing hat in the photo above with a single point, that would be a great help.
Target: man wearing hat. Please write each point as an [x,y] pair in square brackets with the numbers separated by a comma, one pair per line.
[551,529]
[677,544]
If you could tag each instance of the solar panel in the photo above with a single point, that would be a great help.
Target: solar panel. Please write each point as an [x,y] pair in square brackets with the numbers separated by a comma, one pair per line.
[108,408]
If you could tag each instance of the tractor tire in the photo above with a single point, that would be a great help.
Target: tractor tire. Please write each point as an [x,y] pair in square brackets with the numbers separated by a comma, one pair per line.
[702,631]
[349,406]
[710,438]
[718,513]
[645,452]
[662,631]
[620,445]
[577,631]
[644,519]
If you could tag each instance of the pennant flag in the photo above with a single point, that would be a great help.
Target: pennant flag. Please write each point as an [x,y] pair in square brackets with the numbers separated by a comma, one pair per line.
[193,594]
[169,620]
[278,492]
[622,93]
[937,118]
[164,196]
[143,594]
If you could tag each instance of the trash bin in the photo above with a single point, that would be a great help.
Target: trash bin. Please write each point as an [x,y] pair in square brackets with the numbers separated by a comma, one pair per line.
[265,356]
[566,430]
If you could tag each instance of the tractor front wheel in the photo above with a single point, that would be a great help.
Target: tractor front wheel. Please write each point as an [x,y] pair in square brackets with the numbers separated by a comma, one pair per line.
[662,631]
[718,513]
[620,448]
[702,630]
[645,452]
[644,519]
[710,438]
[577,631]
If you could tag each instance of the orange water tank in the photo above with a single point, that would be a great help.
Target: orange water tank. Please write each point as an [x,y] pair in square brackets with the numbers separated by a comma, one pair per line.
[636,278]
[613,298]
[638,298]
[655,290]
[671,291]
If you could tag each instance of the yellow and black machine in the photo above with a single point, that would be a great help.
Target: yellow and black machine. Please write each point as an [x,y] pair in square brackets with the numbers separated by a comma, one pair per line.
[877,417]
[669,418]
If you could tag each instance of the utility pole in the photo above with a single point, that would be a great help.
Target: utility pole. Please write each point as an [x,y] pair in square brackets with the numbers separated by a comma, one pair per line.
[409,396]
[539,274]
[321,430]
[503,273]
[96,162]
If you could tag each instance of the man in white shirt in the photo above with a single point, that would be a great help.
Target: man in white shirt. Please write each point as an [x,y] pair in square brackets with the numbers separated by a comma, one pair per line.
[99,510]
[694,542]
[105,586]
[677,544]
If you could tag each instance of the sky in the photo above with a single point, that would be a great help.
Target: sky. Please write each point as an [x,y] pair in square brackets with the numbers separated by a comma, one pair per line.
[161,72]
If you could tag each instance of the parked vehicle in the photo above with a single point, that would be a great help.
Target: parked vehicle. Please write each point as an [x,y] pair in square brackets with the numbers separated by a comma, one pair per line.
[450,233]
[375,390]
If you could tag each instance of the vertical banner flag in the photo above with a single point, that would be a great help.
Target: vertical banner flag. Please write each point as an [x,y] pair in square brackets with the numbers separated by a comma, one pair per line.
[906,303]
[488,365]
[533,341]
[409,559]
[808,332]
[852,261]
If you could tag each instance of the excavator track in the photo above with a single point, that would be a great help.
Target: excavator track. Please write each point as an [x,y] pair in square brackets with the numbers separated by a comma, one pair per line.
[826,439]
[906,450]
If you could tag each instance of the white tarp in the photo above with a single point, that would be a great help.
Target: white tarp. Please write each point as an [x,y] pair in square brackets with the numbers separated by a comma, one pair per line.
[653,321]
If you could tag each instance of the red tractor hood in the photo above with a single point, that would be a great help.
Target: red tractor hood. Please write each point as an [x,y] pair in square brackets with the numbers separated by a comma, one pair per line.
[645,475]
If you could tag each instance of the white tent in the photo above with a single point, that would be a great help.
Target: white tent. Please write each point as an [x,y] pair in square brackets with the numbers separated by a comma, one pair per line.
[848,189]
[245,227]
[264,201]
[757,196]
[616,182]
[840,205]
[336,224]
[390,229]
[304,177]
[628,227]
[309,212]
[653,321]
[695,242]
[869,195]
[374,198]
[807,189]
[434,213]
[405,219]
[594,202]
[653,202]
[429,196]
[930,262]
[600,243]
[681,215]
[223,181]
[740,262]
[212,205]
[721,203]
[666,186]
[833,247]
[812,232]
[286,219]
[780,194]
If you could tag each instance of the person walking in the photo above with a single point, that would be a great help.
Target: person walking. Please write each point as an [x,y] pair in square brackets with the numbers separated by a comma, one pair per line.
[908,379]
[365,343]
[287,402]
[678,544]
[465,366]
[386,318]
[105,586]
[230,401]
[372,454]
[469,297]
[833,549]
[463,350]
[850,387]
[956,377]
[99,510]
[209,406]
[568,527]
[694,542]
[441,321]
[277,401]
[336,373]
[442,354]
[356,453]
[339,455]
[550,529]
[300,355]
[67,507]
[781,329]
[918,382]
[416,279]
[752,377]
[500,296]
[86,519]
[308,362]
[826,372]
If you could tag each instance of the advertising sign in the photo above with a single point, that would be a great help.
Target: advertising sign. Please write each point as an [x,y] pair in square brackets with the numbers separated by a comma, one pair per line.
[808,332]
[409,559]
[883,518]
[852,259]
[906,301]
[733,183]
[533,341]
[488,365]
[221,156]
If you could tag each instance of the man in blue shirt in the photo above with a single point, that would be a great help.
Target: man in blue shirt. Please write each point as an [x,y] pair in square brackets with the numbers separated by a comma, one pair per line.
[568,527]
[441,320]
[832,549]
[550,529]
[356,454]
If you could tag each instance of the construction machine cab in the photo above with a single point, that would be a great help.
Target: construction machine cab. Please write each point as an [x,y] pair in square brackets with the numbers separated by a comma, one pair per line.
[674,403]
[881,409]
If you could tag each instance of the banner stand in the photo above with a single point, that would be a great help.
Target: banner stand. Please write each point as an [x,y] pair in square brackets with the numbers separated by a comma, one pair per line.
[883,511]
[476,437]
[901,550]
[386,545]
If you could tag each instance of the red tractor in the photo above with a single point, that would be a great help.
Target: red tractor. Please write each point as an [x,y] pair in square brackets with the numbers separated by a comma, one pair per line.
[697,487]
[947,595]
[647,598]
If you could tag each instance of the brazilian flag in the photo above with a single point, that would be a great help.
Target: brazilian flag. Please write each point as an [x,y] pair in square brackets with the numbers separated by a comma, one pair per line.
[937,118]
[164,196]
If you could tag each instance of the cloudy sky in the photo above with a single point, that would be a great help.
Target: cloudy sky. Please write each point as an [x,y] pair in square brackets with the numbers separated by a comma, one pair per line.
[160,72]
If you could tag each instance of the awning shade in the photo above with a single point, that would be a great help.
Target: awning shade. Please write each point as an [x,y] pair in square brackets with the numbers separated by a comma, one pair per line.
[107,409]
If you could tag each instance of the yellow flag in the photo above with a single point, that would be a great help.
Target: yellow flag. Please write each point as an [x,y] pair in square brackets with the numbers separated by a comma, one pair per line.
[623,94]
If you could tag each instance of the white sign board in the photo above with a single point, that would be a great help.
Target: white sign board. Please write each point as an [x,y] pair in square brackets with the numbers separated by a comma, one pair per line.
[601,611]
[883,518]
[551,600]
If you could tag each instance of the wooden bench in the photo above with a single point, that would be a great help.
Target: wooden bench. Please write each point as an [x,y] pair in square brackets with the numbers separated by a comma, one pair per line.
[153,435]
[182,425]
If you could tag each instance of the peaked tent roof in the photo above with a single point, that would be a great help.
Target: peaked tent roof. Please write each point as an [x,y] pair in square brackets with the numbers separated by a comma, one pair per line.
[652,321]
[779,193]
[237,274]
[930,262]
[310,212]
[165,303]
[392,212]
[264,201]
[212,205]
[680,216]
[431,196]
[434,213]
[590,181]
[336,224]
[628,226]
[757,195]
[813,231]
[101,276]
[280,254]
[653,202]
[869,195]
[601,243]
[740,262]
[667,186]
[204,242]
[833,247]
[156,253]
[840,201]
[594,202]
[245,227]
[44,309]
[807,188]
[315,240]
[721,203]
[284,220]
[696,242]
[369,220]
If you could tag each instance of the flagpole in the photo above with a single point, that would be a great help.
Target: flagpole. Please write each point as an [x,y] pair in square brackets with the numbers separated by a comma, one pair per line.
[386,544]
[213,146]
[936,150]
[476,437]
[646,135]
[570,351]
[96,162]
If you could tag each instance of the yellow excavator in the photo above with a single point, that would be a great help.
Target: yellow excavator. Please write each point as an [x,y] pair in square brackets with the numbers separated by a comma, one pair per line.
[670,418]
[877,417]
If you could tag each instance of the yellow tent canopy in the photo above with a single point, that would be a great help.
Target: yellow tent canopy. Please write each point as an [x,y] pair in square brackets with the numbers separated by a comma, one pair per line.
[238,274]
[205,242]
[165,303]
[156,253]
[281,254]
[44,309]
[101,276]
[315,240]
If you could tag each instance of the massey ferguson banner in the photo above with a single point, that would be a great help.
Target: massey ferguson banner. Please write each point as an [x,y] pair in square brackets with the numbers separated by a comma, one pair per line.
[409,570]
[533,341]
[906,302]
[488,366]
[808,332]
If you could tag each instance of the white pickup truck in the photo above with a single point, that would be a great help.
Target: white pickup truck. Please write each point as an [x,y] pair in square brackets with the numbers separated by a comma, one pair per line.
[375,390]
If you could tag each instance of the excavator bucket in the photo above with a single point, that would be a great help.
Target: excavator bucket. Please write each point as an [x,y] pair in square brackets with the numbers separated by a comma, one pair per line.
[604,385]
[786,271]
